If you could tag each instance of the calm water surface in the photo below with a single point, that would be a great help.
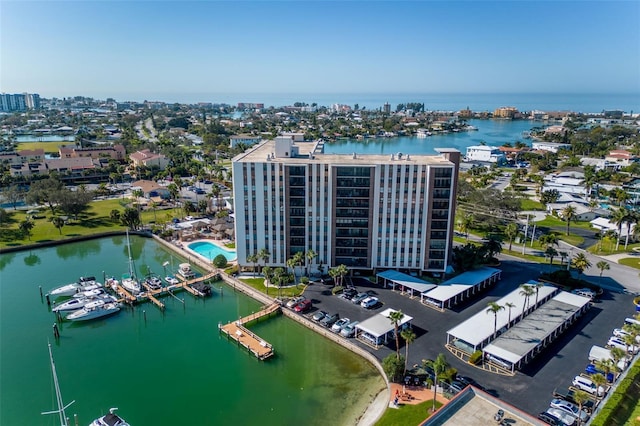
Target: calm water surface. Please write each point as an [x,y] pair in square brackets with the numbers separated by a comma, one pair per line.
[172,368]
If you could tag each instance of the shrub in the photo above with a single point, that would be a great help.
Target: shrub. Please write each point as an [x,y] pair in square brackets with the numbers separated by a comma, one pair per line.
[220,261]
[393,367]
[475,357]
[337,289]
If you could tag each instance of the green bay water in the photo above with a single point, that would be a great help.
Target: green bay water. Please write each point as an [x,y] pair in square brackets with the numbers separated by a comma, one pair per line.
[170,368]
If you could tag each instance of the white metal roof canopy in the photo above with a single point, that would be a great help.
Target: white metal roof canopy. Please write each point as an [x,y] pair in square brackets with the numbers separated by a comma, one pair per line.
[379,325]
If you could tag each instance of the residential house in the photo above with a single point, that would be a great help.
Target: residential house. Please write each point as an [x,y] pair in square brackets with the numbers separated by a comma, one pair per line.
[149,159]
[115,152]
[151,190]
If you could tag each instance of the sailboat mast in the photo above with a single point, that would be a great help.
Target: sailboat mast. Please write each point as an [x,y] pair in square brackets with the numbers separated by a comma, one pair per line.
[130,258]
[59,401]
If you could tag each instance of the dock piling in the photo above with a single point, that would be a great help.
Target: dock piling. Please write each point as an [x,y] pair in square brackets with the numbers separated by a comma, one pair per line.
[40,291]
[56,332]
[48,300]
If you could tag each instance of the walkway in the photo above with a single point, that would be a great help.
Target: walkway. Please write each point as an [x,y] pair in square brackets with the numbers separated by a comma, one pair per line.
[246,338]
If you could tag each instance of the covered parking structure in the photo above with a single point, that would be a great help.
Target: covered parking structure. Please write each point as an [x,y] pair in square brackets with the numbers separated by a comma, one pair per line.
[376,330]
[406,282]
[457,289]
[477,331]
[525,340]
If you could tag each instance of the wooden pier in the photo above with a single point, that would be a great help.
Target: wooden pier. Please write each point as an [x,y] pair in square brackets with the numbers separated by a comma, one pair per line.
[152,295]
[237,331]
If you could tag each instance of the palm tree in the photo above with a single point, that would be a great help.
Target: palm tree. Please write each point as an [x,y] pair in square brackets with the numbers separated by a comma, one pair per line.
[494,308]
[395,317]
[310,255]
[509,305]
[630,342]
[266,272]
[598,380]
[409,336]
[439,366]
[603,265]
[580,262]
[253,258]
[264,255]
[291,263]
[580,397]
[341,272]
[563,255]
[633,217]
[465,224]
[58,222]
[549,240]
[25,228]
[550,252]
[527,291]
[569,213]
[619,217]
[511,232]
[492,244]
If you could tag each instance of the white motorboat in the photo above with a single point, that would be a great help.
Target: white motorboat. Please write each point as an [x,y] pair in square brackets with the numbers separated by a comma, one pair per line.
[170,279]
[154,283]
[111,419]
[79,302]
[93,310]
[84,283]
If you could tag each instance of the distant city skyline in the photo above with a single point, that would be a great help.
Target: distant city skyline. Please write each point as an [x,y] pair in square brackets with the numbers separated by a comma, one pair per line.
[138,50]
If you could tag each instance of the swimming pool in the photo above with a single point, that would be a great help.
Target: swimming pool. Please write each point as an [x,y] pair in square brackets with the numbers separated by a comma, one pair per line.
[210,250]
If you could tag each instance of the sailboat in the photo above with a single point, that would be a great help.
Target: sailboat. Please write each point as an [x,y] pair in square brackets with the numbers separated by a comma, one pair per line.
[129,281]
[64,421]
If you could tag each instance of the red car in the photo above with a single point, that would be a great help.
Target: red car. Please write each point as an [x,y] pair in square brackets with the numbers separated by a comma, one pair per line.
[303,306]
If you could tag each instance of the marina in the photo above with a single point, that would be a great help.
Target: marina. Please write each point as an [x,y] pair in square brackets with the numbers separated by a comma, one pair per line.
[237,331]
[178,347]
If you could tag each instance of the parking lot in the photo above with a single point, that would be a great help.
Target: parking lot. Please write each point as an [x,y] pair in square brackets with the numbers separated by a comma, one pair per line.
[530,389]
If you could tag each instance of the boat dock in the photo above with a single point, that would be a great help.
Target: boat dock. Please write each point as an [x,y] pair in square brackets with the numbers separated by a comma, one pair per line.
[152,295]
[237,331]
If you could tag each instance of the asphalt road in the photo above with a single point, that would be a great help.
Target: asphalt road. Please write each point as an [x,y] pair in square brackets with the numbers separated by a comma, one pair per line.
[531,389]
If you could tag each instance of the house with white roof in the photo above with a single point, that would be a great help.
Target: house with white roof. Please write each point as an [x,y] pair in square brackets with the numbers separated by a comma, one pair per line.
[485,153]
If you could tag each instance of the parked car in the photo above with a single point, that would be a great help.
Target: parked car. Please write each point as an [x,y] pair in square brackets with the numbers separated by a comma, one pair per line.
[370,302]
[567,395]
[349,330]
[359,298]
[550,419]
[565,419]
[318,316]
[303,306]
[620,333]
[585,292]
[338,325]
[329,320]
[616,342]
[348,293]
[294,301]
[456,386]
[569,408]
[587,385]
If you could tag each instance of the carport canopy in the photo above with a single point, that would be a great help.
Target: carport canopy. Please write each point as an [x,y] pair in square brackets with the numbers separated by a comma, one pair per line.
[406,280]
[380,325]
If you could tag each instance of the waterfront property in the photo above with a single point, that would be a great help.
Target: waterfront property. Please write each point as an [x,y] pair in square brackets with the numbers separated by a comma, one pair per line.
[237,331]
[377,330]
[484,153]
[364,211]
[461,287]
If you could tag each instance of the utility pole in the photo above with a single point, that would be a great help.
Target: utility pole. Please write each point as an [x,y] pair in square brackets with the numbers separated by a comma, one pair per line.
[526,230]
[533,234]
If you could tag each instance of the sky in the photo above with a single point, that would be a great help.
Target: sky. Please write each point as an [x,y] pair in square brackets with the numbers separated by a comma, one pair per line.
[146,49]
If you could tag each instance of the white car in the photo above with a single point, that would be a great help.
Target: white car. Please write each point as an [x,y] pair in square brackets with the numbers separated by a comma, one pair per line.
[570,408]
[587,385]
[617,342]
[294,301]
[620,332]
[349,330]
[340,324]
[370,302]
[565,418]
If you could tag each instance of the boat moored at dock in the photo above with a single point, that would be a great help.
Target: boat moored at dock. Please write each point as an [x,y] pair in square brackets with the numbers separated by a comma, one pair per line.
[80,302]
[67,290]
[111,419]
[93,310]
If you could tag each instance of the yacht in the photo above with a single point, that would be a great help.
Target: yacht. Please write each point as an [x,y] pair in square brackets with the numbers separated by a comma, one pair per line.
[94,309]
[111,419]
[184,270]
[171,280]
[80,302]
[84,283]
[154,283]
[423,133]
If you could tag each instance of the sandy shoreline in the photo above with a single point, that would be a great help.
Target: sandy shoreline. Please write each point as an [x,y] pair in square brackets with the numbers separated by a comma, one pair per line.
[376,408]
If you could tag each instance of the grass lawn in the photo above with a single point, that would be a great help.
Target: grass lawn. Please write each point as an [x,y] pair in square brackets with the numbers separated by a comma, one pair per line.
[407,415]
[609,247]
[94,220]
[49,147]
[527,204]
[554,222]
[258,284]
[634,262]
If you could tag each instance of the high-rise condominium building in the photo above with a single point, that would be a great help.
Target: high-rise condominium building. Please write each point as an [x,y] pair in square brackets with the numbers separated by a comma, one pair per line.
[364,211]
[19,101]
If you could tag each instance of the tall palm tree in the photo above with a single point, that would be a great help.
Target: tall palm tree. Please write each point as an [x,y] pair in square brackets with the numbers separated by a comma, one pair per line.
[537,286]
[395,317]
[509,305]
[568,214]
[291,263]
[511,232]
[439,366]
[580,397]
[342,271]
[563,255]
[492,244]
[580,262]
[550,252]
[603,265]
[310,255]
[527,291]
[267,272]
[465,224]
[253,258]
[409,336]
[619,217]
[264,255]
[633,218]
[598,380]
[494,308]
[549,240]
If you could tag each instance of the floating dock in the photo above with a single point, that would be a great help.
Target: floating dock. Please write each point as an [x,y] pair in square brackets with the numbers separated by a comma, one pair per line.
[237,331]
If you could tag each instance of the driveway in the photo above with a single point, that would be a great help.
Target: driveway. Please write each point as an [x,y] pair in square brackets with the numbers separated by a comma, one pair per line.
[531,389]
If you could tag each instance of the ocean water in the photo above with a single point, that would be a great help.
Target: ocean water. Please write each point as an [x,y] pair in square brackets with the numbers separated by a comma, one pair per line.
[577,102]
[162,368]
